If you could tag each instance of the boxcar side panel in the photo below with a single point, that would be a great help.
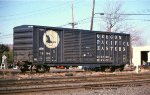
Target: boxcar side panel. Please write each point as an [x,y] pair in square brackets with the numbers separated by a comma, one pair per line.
[88,47]
[60,46]
[113,48]
[47,46]
[22,48]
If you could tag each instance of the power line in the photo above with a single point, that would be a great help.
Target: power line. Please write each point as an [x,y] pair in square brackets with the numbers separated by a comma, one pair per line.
[18,4]
[139,19]
[141,11]
[5,35]
[32,12]
[121,14]
[125,14]
[134,14]
[28,13]
[40,10]
[22,15]
[78,22]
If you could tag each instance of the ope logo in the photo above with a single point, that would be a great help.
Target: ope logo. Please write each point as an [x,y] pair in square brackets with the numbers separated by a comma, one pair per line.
[51,39]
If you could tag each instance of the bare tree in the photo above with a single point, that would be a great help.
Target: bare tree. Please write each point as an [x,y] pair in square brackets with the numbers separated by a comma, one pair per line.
[112,15]
[115,21]
[135,33]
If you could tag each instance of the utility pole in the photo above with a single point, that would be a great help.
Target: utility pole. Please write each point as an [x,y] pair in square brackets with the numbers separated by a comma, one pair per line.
[72,23]
[92,15]
[72,17]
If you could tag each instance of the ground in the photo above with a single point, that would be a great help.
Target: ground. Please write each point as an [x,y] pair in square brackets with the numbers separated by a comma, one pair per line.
[15,74]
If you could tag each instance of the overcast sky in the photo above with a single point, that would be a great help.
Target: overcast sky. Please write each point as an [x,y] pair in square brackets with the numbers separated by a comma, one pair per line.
[58,13]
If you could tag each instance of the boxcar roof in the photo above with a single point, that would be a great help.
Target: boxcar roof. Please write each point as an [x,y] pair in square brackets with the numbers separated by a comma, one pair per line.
[67,29]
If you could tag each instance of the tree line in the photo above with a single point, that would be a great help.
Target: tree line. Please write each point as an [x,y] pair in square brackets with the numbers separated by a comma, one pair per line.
[5,50]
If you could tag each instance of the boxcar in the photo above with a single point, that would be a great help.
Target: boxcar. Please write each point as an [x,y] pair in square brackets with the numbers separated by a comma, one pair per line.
[43,46]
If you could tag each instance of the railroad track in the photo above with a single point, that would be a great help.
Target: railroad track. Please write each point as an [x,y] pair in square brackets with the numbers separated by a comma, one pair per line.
[9,83]
[17,86]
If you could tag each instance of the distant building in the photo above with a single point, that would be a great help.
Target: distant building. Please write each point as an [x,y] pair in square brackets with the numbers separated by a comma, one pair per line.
[141,55]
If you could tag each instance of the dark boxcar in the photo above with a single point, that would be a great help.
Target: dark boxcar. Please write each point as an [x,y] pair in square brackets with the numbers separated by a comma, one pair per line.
[55,46]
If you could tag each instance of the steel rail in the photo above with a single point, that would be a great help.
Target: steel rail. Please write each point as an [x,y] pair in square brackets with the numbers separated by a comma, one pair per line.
[86,82]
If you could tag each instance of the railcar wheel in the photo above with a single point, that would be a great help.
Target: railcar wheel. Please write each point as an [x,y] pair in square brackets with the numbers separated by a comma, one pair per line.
[103,68]
[122,67]
[24,67]
[40,69]
[67,67]
[113,69]
[47,68]
[118,70]
[23,70]
[96,69]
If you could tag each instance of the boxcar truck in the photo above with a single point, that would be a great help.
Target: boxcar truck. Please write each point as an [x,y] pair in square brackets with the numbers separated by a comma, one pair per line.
[39,47]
